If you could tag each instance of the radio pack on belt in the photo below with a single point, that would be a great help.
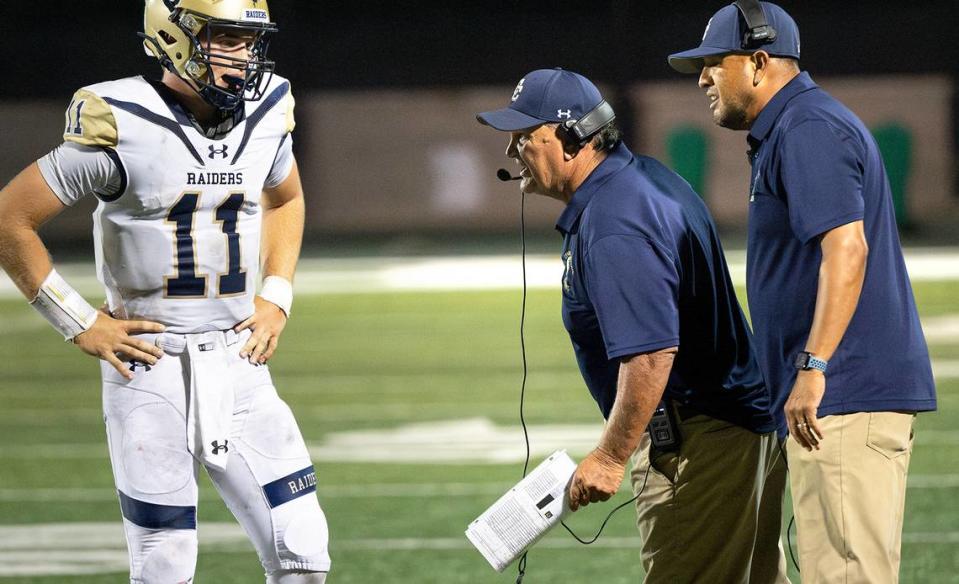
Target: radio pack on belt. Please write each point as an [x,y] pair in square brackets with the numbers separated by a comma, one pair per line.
[663,429]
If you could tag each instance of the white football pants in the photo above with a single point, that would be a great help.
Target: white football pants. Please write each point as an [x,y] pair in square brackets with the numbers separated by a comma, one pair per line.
[269,483]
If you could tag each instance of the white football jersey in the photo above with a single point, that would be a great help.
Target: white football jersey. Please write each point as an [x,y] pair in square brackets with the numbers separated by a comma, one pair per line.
[177,234]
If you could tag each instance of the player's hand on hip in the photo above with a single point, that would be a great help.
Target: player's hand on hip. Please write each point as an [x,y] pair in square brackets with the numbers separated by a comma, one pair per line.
[597,478]
[112,340]
[266,324]
[802,406]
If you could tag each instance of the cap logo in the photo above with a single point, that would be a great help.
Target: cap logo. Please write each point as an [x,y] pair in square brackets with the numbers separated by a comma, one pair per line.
[518,90]
[564,113]
[708,24]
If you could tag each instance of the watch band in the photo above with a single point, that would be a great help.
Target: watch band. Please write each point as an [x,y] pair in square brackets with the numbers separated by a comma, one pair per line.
[816,363]
[806,361]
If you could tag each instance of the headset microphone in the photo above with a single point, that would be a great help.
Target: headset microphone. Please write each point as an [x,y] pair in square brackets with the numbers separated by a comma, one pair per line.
[505,176]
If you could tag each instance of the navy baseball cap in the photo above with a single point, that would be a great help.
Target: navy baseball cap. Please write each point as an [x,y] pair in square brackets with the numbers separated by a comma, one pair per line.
[725,34]
[542,97]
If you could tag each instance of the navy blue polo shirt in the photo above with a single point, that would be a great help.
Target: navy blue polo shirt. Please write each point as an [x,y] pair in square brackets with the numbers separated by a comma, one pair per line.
[816,167]
[644,270]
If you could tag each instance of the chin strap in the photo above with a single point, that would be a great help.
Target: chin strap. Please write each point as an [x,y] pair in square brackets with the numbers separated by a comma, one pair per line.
[235,83]
[220,100]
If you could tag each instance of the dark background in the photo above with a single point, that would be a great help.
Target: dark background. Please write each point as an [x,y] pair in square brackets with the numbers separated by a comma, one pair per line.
[54,46]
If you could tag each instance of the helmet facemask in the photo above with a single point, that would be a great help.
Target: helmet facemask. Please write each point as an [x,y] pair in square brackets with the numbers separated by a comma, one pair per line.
[246,78]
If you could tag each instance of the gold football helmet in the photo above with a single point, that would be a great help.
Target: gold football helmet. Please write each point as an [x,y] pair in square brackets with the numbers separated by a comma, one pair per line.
[180,34]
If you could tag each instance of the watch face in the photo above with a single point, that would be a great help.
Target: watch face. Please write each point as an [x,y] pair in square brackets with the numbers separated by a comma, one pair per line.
[802,359]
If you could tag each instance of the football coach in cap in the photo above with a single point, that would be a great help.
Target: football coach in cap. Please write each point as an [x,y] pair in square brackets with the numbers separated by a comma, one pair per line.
[836,326]
[653,317]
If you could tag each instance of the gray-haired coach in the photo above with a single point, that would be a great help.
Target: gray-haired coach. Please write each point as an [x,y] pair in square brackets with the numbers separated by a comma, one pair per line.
[652,315]
[837,331]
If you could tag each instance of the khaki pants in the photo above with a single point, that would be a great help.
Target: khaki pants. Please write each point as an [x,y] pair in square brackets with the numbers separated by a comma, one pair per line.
[849,498]
[712,512]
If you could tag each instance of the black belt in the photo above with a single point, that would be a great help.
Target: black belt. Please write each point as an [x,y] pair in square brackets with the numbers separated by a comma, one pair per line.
[684,413]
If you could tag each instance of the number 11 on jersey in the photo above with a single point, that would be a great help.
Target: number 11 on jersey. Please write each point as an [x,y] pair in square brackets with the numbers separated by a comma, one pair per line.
[186,283]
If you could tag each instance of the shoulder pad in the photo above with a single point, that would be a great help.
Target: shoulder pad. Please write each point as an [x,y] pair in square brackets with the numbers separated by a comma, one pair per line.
[90,121]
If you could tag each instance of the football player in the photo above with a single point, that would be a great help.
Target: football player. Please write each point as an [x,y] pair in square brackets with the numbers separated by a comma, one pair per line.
[198,193]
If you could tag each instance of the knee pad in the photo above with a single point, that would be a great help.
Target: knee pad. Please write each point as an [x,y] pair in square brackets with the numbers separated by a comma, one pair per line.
[150,451]
[161,556]
[301,534]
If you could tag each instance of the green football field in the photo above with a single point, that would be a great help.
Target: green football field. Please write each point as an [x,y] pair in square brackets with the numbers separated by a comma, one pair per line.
[409,403]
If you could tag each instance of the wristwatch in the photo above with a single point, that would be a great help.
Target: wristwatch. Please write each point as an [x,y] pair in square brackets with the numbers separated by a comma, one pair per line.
[806,361]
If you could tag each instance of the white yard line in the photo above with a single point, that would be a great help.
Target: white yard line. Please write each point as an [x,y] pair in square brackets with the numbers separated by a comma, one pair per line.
[941,329]
[398,274]
[70,549]
[945,369]
[98,548]
[445,441]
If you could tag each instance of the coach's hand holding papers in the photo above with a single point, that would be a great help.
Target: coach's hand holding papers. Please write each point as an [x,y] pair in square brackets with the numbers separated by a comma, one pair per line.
[597,478]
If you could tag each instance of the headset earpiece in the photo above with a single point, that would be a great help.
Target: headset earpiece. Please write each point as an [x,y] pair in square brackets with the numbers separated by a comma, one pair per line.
[759,31]
[578,132]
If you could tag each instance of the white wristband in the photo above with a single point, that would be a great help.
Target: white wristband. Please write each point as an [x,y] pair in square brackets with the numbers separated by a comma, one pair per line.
[279,291]
[63,307]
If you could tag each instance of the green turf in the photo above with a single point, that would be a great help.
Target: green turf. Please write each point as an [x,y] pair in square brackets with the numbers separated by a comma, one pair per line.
[378,361]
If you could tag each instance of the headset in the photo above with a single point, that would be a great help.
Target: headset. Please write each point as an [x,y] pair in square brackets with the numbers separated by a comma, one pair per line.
[579,131]
[759,31]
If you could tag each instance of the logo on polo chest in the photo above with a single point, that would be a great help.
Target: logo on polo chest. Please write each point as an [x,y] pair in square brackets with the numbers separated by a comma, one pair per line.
[568,272]
[752,191]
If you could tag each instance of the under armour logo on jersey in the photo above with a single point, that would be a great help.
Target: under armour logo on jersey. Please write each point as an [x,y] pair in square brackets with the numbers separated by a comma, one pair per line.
[221,152]
[217,446]
[135,364]
[564,113]
[518,90]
